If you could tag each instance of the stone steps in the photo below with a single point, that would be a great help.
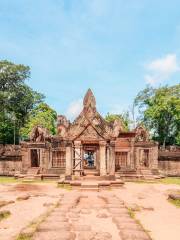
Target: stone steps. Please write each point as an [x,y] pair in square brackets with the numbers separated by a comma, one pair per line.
[89,186]
[33,171]
[91,172]
[56,171]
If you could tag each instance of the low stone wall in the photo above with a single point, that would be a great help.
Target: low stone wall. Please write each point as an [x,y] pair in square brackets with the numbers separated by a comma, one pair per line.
[10,159]
[169,163]
[10,166]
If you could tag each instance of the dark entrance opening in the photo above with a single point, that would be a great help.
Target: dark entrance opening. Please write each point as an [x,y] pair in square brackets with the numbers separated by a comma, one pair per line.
[35,157]
[146,158]
[89,159]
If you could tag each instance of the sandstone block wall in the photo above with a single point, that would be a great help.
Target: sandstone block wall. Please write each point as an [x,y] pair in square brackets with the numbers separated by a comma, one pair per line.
[169,163]
[10,167]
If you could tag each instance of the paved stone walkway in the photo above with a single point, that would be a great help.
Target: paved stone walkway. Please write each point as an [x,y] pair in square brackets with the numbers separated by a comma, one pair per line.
[90,216]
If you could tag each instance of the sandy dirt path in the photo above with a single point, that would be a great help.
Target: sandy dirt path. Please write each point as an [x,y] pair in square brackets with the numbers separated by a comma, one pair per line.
[157,215]
[25,211]
[90,216]
[163,221]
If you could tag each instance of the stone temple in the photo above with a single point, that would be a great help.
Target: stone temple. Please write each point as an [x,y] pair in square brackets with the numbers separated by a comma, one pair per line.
[90,144]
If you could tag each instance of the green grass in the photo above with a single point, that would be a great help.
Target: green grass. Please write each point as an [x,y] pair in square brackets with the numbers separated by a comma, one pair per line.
[145,181]
[167,180]
[131,213]
[8,180]
[65,186]
[4,214]
[4,180]
[175,202]
[170,180]
[24,236]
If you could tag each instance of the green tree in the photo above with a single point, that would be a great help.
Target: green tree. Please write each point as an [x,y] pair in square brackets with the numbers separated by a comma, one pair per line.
[11,75]
[16,99]
[42,115]
[124,117]
[160,111]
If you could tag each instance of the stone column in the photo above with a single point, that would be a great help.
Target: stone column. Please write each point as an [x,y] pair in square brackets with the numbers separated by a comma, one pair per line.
[68,159]
[26,160]
[108,158]
[102,151]
[154,164]
[132,158]
[77,158]
[138,156]
[112,159]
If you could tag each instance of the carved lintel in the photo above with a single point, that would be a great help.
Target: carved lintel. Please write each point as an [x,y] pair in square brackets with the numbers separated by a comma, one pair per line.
[102,143]
[77,143]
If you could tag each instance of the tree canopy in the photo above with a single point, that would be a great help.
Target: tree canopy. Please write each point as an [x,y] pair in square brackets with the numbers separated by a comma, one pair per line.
[17,99]
[124,117]
[41,115]
[160,111]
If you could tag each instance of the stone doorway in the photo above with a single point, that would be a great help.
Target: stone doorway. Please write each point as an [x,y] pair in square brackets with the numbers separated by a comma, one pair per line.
[146,158]
[121,160]
[90,156]
[89,159]
[35,157]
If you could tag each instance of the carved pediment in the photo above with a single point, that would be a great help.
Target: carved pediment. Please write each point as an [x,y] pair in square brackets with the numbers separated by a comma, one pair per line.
[89,133]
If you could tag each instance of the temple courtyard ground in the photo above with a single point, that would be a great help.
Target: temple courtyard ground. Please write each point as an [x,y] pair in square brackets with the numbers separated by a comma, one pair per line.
[42,211]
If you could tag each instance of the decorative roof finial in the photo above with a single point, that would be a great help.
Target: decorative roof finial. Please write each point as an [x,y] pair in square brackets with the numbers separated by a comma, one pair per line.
[89,100]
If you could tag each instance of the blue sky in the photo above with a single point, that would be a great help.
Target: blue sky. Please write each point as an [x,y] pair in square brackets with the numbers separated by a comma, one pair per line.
[114,47]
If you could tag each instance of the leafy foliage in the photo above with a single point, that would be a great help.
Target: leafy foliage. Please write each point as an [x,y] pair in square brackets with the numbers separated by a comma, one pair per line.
[42,115]
[160,111]
[125,119]
[16,99]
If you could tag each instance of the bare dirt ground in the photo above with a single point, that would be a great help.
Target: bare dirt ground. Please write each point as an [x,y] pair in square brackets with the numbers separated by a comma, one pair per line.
[149,201]
[25,211]
[157,215]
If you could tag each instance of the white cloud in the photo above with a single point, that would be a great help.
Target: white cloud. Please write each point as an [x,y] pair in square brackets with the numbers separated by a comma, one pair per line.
[74,109]
[161,69]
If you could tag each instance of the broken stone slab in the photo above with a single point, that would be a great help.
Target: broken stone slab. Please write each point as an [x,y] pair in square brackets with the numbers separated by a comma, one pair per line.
[123,220]
[103,236]
[118,211]
[174,196]
[62,235]
[48,204]
[57,214]
[57,219]
[133,235]
[4,203]
[53,226]
[73,215]
[86,235]
[126,226]
[23,197]
[102,215]
[80,227]
[115,205]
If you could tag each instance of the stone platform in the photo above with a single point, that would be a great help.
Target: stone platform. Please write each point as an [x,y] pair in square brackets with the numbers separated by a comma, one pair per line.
[91,184]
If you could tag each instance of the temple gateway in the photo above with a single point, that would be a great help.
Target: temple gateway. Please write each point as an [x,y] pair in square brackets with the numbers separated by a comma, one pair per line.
[90,144]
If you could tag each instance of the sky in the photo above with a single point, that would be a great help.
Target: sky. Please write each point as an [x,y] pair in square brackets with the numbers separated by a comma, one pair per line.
[114,47]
